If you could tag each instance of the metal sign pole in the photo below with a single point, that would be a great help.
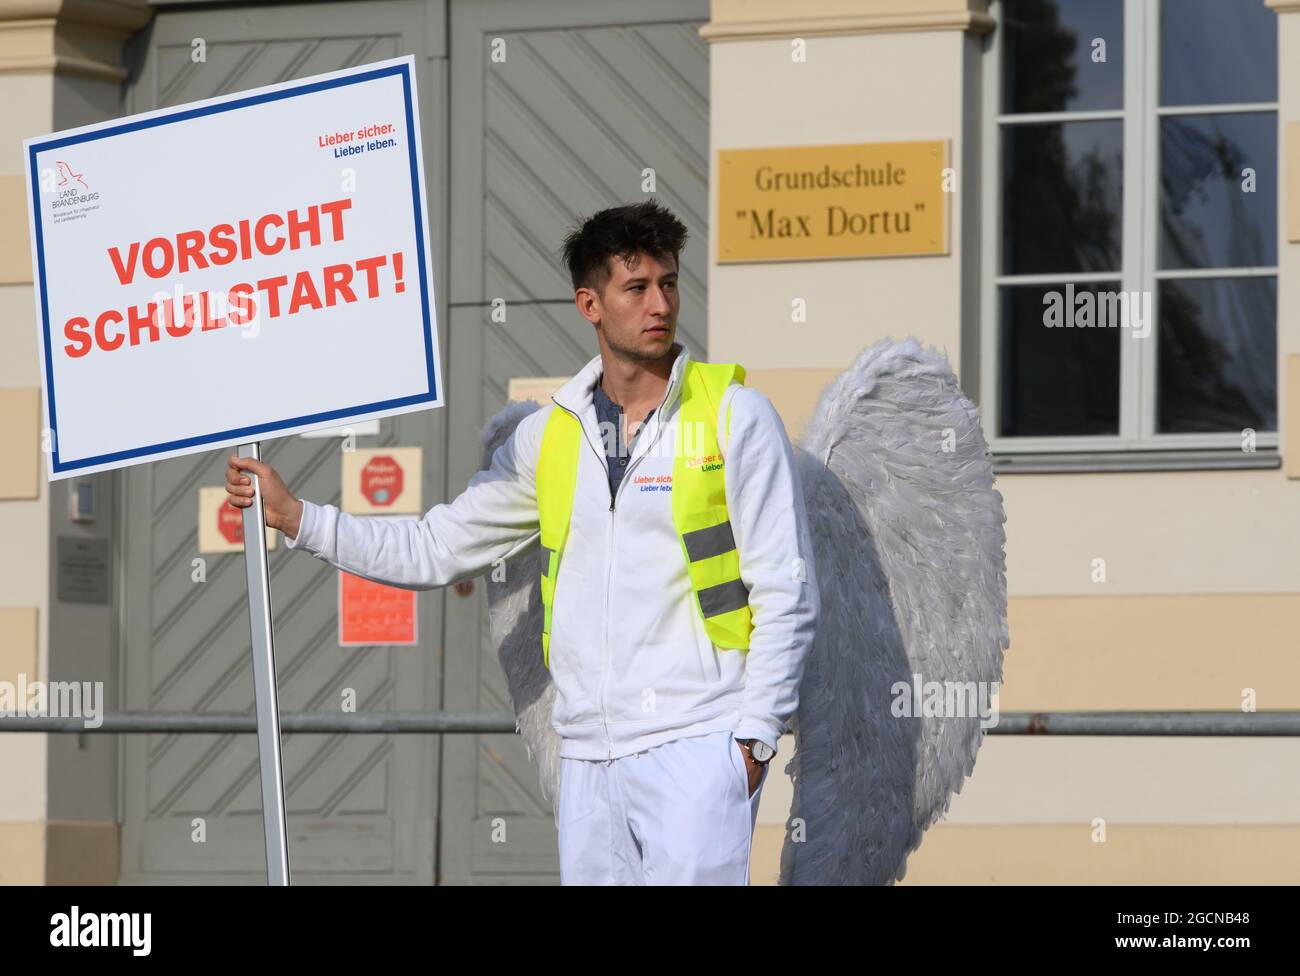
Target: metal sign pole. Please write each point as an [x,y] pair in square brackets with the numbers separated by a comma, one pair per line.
[264,685]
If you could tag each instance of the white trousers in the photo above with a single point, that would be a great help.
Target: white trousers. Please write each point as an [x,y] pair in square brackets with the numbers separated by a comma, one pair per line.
[677,813]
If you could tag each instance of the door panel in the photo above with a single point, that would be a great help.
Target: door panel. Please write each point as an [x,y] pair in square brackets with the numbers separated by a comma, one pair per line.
[361,808]
[589,94]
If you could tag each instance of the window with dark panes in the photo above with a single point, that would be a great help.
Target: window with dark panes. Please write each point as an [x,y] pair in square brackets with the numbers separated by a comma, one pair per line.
[1131,299]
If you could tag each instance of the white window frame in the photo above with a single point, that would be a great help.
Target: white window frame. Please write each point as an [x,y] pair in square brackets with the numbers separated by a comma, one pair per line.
[1140,116]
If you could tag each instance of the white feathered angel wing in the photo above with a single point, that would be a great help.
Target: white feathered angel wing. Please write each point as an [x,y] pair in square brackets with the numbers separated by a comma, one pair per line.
[907,536]
[515,619]
[907,532]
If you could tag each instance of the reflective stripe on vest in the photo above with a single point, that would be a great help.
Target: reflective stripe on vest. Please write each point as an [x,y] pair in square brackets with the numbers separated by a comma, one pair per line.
[699,505]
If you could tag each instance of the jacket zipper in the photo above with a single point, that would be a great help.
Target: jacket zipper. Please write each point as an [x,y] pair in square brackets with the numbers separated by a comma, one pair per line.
[609,589]
[609,579]
[609,563]
[604,674]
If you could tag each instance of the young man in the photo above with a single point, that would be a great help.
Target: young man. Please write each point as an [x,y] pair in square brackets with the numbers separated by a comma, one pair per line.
[679,592]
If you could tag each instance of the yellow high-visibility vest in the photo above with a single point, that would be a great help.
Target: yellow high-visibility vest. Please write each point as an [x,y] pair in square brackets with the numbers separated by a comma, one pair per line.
[699,505]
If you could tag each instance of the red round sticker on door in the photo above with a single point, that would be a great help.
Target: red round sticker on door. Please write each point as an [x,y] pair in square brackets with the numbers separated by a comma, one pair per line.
[230,523]
[381,480]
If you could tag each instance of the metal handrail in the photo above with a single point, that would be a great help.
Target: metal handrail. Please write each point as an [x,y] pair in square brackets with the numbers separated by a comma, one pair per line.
[1134,723]
[246,722]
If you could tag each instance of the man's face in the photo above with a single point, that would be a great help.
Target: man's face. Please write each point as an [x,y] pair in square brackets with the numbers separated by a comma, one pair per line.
[636,311]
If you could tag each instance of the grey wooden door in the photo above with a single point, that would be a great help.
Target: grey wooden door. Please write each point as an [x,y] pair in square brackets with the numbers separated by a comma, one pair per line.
[361,808]
[588,96]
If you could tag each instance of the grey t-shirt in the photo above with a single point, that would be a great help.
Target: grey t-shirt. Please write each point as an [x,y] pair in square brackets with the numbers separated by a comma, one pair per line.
[609,415]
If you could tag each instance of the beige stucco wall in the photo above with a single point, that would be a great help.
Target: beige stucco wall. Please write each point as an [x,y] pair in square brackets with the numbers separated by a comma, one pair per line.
[886,87]
[60,66]
[1201,598]
[24,521]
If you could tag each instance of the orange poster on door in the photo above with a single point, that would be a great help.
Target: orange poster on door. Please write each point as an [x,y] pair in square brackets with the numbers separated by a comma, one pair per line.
[372,613]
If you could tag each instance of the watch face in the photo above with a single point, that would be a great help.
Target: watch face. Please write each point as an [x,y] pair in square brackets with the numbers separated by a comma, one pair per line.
[761,751]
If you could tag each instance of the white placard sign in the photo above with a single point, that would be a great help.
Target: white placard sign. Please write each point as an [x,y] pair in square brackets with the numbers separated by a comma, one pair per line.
[232,270]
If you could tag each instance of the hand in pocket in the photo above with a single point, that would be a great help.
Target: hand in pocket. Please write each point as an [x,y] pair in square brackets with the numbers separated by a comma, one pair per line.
[753,770]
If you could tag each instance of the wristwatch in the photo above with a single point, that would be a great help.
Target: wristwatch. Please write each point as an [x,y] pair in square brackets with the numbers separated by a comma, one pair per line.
[759,749]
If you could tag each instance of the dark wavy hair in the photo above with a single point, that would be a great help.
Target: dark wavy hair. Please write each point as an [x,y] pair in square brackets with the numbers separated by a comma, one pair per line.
[621,232]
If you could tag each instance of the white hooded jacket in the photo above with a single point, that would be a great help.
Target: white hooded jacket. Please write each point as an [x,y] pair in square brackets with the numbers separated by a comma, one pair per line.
[632,664]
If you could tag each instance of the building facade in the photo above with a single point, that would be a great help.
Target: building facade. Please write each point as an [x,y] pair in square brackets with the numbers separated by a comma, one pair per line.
[1095,149]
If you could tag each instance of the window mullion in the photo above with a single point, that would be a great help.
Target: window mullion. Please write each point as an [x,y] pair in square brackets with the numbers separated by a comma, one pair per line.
[1151,204]
[991,231]
[1137,365]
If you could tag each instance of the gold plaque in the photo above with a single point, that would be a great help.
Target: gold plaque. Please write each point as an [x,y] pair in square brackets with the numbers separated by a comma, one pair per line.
[874,199]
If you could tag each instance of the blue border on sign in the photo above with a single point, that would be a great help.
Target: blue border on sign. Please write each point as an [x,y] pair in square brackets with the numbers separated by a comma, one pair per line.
[413,134]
